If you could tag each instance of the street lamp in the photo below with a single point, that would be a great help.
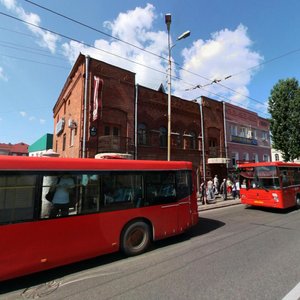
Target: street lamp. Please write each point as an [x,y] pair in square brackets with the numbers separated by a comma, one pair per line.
[168,20]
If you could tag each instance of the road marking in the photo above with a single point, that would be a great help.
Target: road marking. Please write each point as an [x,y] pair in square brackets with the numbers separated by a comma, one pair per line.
[294,294]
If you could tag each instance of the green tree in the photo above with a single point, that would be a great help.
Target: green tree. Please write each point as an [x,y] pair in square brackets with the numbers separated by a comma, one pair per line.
[284,108]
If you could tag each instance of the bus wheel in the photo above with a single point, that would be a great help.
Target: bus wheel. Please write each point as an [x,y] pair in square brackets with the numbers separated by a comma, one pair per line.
[135,238]
[298,201]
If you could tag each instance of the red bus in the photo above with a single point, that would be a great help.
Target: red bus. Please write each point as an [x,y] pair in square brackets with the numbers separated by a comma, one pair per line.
[113,205]
[270,184]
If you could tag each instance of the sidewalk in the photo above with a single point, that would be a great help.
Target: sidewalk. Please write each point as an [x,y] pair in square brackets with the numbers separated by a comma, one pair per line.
[219,202]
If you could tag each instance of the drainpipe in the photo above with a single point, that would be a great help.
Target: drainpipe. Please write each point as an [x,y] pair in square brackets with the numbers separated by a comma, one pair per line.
[225,135]
[203,146]
[135,122]
[87,59]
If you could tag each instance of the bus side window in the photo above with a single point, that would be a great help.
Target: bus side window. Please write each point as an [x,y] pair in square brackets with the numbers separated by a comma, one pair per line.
[90,192]
[184,184]
[160,188]
[121,191]
[17,195]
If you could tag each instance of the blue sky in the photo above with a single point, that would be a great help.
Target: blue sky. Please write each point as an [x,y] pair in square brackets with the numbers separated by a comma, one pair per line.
[254,43]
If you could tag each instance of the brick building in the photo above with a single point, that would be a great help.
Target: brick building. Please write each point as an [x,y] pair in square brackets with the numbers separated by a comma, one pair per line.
[214,138]
[247,136]
[76,134]
[19,149]
[132,120]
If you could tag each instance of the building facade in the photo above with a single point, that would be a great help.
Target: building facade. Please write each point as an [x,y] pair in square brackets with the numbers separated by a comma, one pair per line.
[19,149]
[131,120]
[247,136]
[41,146]
[77,133]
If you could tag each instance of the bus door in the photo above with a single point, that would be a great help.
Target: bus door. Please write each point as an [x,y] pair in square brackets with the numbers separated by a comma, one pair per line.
[185,194]
[161,195]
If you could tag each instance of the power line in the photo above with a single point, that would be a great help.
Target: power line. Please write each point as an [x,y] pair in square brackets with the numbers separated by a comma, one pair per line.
[34,61]
[230,100]
[215,81]
[91,46]
[135,46]
[79,42]
[94,29]
[31,50]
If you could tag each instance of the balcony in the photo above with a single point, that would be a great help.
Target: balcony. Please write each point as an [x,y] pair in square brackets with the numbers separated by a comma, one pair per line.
[243,140]
[216,155]
[110,143]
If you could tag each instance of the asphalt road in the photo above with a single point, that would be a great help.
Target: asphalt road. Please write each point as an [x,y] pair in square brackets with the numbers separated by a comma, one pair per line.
[233,253]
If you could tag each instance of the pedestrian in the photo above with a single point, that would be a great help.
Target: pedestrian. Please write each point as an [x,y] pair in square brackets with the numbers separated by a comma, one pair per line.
[223,189]
[229,186]
[237,186]
[233,189]
[216,184]
[210,191]
[202,192]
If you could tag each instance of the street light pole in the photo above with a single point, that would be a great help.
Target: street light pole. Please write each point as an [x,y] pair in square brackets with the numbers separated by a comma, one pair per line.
[168,20]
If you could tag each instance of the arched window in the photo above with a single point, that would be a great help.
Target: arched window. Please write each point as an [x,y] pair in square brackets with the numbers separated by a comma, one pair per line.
[276,157]
[193,144]
[162,137]
[142,134]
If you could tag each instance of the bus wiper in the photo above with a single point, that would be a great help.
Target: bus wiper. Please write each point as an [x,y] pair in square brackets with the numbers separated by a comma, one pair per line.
[267,190]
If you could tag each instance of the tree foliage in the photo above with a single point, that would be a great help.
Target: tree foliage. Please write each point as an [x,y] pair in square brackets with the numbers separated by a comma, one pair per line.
[284,108]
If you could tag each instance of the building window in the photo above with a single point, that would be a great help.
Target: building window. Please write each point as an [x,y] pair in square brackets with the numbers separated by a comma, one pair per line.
[178,140]
[72,137]
[212,143]
[233,130]
[106,130]
[243,132]
[266,157]
[254,135]
[116,131]
[276,157]
[142,134]
[162,137]
[64,142]
[234,158]
[255,157]
[264,135]
[193,141]
[245,156]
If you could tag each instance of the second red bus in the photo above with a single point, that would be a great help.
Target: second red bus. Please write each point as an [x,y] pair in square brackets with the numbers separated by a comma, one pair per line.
[270,184]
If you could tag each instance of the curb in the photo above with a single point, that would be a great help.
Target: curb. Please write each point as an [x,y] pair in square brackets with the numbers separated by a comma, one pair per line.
[218,204]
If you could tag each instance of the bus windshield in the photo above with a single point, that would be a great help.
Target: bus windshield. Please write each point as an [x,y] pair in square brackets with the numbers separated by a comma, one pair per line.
[261,177]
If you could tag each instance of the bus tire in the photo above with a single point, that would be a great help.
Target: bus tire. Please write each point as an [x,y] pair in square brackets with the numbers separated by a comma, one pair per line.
[298,201]
[135,238]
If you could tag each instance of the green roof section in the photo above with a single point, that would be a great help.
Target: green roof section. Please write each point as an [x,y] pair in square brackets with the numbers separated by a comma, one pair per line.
[43,143]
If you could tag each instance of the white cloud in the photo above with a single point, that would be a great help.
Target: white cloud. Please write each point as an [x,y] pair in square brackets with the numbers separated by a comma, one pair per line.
[23,113]
[46,39]
[42,121]
[2,75]
[135,27]
[227,52]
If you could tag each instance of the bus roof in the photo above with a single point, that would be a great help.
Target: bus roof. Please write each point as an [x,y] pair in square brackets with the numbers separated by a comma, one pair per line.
[266,164]
[18,163]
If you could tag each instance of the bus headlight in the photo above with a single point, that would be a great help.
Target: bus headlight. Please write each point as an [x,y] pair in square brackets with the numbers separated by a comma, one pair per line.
[275,197]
